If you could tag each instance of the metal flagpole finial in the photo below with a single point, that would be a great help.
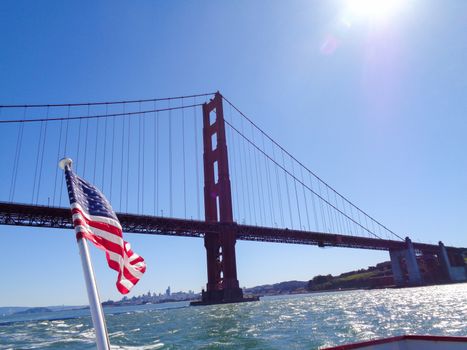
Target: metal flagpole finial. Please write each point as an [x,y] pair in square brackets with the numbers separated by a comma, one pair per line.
[64,162]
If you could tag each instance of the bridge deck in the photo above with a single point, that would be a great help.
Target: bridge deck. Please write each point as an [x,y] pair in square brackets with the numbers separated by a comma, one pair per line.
[53,217]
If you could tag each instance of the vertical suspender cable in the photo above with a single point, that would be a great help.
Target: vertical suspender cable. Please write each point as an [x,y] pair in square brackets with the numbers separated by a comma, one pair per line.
[296,197]
[233,167]
[287,188]
[323,212]
[58,157]
[139,161]
[265,197]
[344,218]
[96,151]
[112,159]
[313,203]
[353,221]
[339,214]
[142,166]
[268,182]
[258,187]
[349,222]
[366,224]
[195,128]
[105,147]
[246,174]
[157,158]
[128,164]
[170,162]
[76,163]
[64,155]
[250,176]
[184,165]
[86,143]
[19,142]
[121,160]
[304,199]
[39,143]
[362,232]
[279,190]
[18,157]
[42,157]
[242,174]
[66,133]
[331,212]
[156,161]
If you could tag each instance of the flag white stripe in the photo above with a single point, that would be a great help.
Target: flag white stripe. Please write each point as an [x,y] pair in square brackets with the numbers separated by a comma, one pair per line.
[100,233]
[102,219]
[124,262]
[126,283]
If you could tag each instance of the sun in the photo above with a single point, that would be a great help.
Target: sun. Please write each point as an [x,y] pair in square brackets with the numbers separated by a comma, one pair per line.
[374,9]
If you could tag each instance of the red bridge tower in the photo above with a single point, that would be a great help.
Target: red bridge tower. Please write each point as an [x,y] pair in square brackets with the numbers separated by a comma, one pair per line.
[222,286]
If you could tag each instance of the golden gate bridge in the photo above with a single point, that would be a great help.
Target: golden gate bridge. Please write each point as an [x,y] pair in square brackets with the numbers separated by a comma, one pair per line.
[162,162]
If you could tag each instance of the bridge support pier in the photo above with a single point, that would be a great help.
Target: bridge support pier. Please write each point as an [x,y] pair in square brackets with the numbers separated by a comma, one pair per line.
[222,286]
[403,261]
[456,273]
[397,274]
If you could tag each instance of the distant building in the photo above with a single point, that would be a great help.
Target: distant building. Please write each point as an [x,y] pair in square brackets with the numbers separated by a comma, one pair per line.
[167,292]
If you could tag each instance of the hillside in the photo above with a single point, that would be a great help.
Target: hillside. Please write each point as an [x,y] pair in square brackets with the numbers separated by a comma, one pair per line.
[373,277]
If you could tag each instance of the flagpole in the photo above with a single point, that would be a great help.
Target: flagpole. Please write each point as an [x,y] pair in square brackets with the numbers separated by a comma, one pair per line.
[97,314]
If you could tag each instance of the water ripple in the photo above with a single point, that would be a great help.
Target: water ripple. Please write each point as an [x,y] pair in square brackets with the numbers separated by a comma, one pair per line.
[287,322]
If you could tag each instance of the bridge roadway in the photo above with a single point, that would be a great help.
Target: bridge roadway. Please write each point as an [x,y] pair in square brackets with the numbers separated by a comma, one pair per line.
[53,217]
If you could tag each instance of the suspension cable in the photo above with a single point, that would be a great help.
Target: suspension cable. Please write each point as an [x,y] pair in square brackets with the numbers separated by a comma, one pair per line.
[64,155]
[195,128]
[105,149]
[19,143]
[298,180]
[96,150]
[58,157]
[121,161]
[313,204]
[301,164]
[250,176]
[112,159]
[106,103]
[258,186]
[170,163]
[138,197]
[96,116]
[42,159]
[127,195]
[304,199]
[142,166]
[156,179]
[86,144]
[39,143]
[184,165]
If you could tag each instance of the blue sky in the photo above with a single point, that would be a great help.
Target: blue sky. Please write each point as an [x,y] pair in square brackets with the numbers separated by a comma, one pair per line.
[376,107]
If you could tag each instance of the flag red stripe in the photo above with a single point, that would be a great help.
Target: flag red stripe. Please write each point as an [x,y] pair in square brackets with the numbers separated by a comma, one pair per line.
[107,245]
[113,264]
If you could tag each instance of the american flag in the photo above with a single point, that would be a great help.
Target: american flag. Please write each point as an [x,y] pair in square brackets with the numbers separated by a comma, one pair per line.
[94,219]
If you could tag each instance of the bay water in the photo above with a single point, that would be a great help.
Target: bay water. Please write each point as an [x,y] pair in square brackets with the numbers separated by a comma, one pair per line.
[306,321]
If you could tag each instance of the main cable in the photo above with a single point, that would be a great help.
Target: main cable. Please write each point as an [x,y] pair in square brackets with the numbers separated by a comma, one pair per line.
[105,103]
[127,114]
